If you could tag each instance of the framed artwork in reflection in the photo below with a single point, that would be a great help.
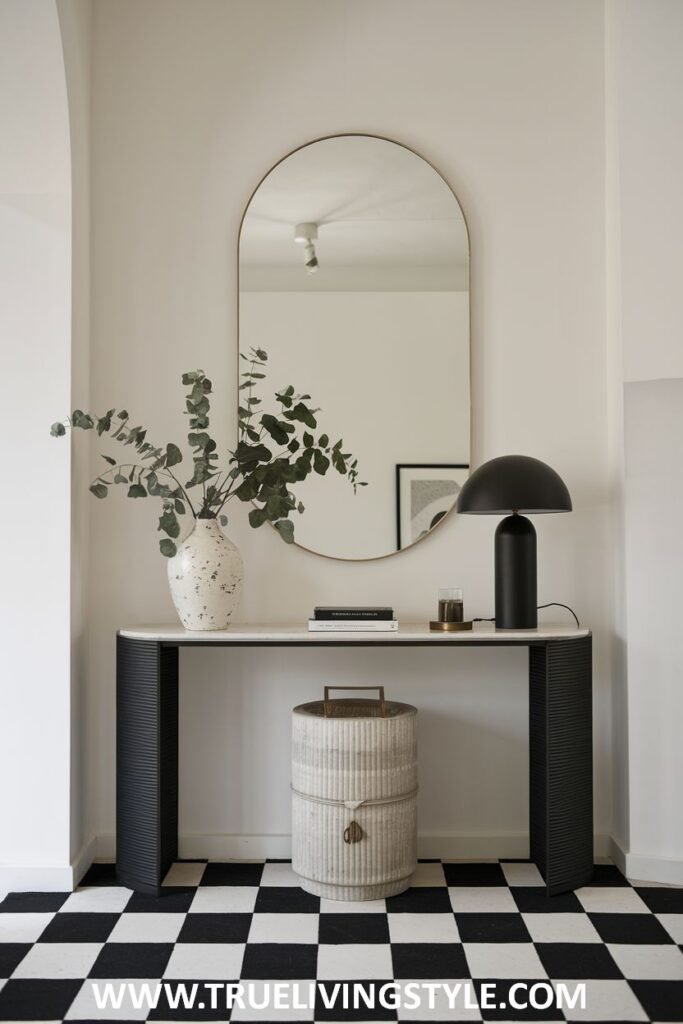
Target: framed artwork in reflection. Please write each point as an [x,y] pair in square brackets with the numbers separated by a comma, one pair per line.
[425,493]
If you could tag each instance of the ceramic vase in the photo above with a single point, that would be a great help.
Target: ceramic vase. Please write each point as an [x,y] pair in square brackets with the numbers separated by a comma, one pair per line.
[205,577]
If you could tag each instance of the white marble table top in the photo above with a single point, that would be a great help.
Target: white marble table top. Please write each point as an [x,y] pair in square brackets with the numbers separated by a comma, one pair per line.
[408,632]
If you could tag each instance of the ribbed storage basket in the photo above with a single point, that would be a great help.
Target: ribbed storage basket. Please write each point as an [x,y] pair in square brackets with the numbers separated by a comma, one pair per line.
[354,796]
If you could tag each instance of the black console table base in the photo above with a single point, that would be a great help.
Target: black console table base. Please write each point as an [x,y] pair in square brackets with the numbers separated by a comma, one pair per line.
[560,742]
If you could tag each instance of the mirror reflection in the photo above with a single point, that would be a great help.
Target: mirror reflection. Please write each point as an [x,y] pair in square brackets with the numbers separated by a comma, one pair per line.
[354,276]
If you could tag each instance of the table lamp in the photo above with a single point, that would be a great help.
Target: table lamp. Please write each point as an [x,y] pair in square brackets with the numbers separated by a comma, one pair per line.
[514,484]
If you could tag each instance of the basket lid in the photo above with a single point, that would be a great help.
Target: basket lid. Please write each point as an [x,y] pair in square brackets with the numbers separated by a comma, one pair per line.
[354,707]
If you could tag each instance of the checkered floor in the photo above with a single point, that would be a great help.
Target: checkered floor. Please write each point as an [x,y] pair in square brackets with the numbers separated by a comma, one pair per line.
[251,922]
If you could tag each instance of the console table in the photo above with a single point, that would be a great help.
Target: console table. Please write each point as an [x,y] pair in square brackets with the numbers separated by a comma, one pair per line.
[560,736]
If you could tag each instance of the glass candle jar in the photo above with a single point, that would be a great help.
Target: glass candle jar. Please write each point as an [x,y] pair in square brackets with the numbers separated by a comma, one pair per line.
[450,604]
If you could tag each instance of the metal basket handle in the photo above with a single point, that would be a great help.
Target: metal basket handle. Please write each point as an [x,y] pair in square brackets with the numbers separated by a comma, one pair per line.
[380,689]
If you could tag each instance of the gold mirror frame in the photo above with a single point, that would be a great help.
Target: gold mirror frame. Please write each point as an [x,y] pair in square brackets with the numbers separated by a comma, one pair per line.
[381,138]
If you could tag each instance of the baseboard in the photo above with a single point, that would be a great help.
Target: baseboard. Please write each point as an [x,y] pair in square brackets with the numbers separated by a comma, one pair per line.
[645,867]
[36,878]
[48,877]
[445,846]
[84,858]
[617,854]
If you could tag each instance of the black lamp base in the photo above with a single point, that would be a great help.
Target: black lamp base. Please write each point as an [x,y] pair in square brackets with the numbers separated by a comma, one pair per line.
[515,558]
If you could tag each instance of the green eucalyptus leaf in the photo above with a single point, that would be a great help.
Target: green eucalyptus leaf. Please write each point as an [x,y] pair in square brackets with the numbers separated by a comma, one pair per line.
[108,458]
[168,522]
[99,490]
[321,463]
[179,507]
[247,453]
[223,520]
[301,470]
[104,424]
[120,479]
[137,491]
[82,419]
[58,430]
[338,462]
[198,440]
[285,527]
[257,517]
[167,548]
[278,430]
[303,414]
[152,482]
[277,506]
[173,455]
[248,489]
[192,376]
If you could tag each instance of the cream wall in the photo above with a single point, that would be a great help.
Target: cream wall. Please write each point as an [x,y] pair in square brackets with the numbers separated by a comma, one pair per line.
[645,79]
[75,28]
[649,42]
[191,104]
[35,510]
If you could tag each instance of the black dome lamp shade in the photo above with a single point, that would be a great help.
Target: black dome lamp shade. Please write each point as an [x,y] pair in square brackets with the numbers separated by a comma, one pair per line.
[514,484]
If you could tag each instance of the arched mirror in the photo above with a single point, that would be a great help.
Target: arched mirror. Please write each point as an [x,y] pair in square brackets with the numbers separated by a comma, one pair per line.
[354,278]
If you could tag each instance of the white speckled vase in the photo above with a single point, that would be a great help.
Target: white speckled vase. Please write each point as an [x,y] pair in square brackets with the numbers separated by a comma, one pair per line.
[205,577]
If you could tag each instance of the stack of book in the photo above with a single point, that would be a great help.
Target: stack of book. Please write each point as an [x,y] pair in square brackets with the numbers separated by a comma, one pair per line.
[356,619]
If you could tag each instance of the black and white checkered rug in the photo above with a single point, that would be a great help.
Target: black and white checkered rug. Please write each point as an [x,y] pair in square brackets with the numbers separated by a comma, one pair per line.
[489,925]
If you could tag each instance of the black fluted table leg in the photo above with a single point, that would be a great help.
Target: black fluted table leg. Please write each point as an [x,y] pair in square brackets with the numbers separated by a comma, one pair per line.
[146,762]
[561,762]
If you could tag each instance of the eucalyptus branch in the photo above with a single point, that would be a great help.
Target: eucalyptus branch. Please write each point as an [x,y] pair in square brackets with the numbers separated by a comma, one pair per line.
[184,492]
[229,492]
[254,473]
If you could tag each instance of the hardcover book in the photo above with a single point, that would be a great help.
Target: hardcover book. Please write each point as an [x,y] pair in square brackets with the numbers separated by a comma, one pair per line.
[359,613]
[353,626]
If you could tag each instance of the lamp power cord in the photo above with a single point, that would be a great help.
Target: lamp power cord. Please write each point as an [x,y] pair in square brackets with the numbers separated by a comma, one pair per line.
[550,604]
